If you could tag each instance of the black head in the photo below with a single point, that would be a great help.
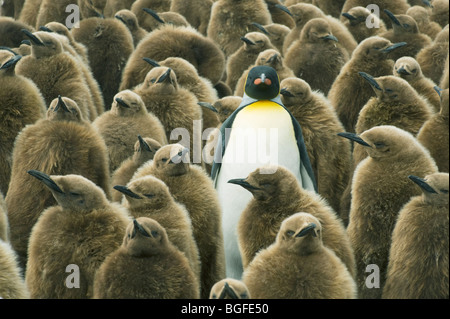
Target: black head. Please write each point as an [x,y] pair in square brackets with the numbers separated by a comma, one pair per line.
[262,83]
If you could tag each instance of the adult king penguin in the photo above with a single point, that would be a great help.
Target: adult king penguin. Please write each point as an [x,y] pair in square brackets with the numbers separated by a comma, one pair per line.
[261,131]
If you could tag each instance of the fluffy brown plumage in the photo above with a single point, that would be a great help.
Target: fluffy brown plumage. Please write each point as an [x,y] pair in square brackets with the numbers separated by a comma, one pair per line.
[119,127]
[52,11]
[91,8]
[154,20]
[231,19]
[150,197]
[276,197]
[146,266]
[276,33]
[84,220]
[192,187]
[197,12]
[422,17]
[332,8]
[62,144]
[434,134]
[444,80]
[279,13]
[156,5]
[113,6]
[12,285]
[229,288]
[131,22]
[30,12]
[396,7]
[11,34]
[350,92]
[298,265]
[379,191]
[439,12]
[330,158]
[4,225]
[21,104]
[317,57]
[170,41]
[355,22]
[418,259]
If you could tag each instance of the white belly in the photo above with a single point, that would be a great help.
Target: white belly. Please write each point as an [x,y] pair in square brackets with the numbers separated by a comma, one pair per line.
[268,138]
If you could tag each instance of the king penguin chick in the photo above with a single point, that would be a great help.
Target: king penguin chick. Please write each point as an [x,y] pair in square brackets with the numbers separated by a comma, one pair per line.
[192,187]
[426,26]
[276,197]
[405,29]
[269,57]
[379,191]
[21,104]
[119,127]
[156,5]
[12,285]
[229,288]
[330,159]
[317,52]
[396,7]
[418,258]
[439,12]
[150,197]
[299,266]
[253,44]
[196,12]
[54,71]
[280,13]
[432,57]
[83,220]
[11,34]
[230,20]
[154,20]
[144,151]
[409,69]
[260,131]
[276,33]
[175,107]
[91,8]
[434,134]
[30,11]
[356,23]
[170,41]
[146,266]
[52,11]
[129,19]
[350,92]
[114,6]
[109,44]
[303,12]
[63,143]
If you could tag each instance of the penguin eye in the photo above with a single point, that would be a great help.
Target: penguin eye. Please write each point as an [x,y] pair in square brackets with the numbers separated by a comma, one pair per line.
[165,160]
[153,80]
[74,194]
[444,191]
[290,233]
[149,195]
[379,145]
[389,91]
[259,41]
[155,233]
[406,25]
[414,70]
[376,48]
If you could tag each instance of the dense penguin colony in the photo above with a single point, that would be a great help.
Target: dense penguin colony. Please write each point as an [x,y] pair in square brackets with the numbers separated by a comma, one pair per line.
[224,149]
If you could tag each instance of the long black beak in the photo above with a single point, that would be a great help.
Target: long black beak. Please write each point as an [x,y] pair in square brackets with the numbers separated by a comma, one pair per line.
[126,191]
[44,178]
[283,8]
[248,41]
[422,184]
[394,46]
[242,182]
[438,90]
[349,16]
[154,15]
[330,37]
[122,103]
[354,137]
[8,49]
[61,104]
[260,27]
[165,76]
[45,29]
[138,228]
[120,18]
[272,58]
[33,38]
[179,157]
[208,106]
[285,92]
[403,71]
[371,80]
[227,291]
[307,230]
[11,63]
[392,17]
[26,42]
[153,63]
[143,144]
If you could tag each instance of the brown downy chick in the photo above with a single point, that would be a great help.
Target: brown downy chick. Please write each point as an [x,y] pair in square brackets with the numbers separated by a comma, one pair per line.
[332,8]
[154,20]
[11,34]
[434,133]
[156,5]
[144,151]
[150,197]
[63,143]
[146,266]
[30,12]
[409,69]
[330,158]
[276,33]
[12,284]
[439,12]
[418,259]
[299,266]
[229,288]
[91,8]
[253,44]
[356,19]
[317,57]
[52,11]
[22,104]
[396,7]
[280,14]
[129,19]
[444,80]
[83,220]
[350,92]
[426,26]
[118,126]
[197,12]
[192,187]
[379,191]
[276,197]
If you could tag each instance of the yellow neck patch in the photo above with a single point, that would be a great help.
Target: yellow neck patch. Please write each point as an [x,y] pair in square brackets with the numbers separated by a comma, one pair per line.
[264,105]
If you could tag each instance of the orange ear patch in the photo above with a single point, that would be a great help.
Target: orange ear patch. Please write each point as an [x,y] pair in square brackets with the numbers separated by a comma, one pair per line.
[268,82]
[258,81]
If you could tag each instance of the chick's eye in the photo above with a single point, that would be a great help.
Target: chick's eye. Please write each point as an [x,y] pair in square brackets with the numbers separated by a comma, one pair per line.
[155,233]
[74,194]
[165,160]
[153,80]
[290,233]
[444,191]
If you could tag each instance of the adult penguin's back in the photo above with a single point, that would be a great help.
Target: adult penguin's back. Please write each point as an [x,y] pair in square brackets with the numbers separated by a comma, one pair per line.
[259,132]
